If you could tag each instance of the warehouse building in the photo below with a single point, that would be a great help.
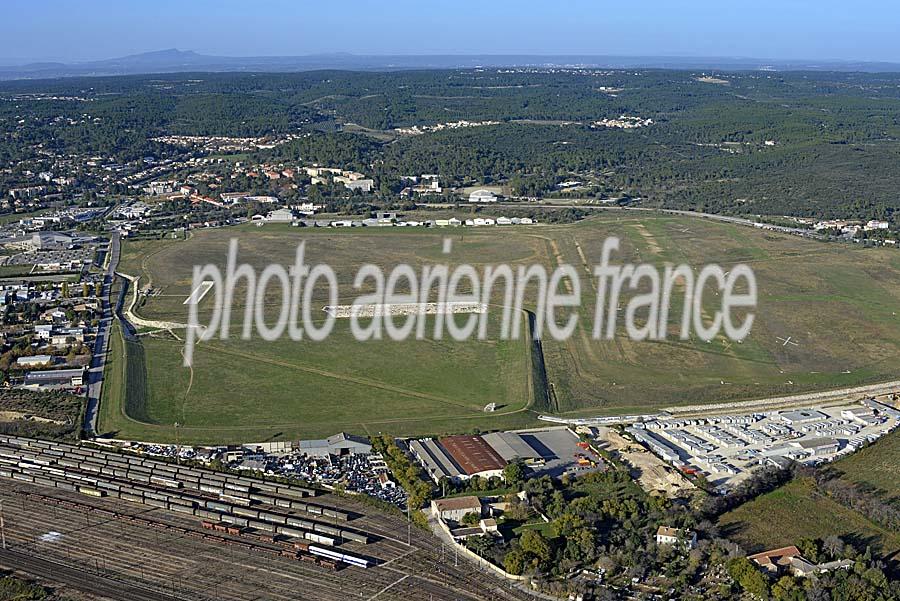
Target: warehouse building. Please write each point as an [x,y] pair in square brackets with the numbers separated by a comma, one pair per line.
[50,240]
[435,460]
[510,446]
[280,216]
[659,446]
[818,446]
[546,451]
[34,360]
[458,457]
[801,416]
[473,455]
[338,444]
[55,378]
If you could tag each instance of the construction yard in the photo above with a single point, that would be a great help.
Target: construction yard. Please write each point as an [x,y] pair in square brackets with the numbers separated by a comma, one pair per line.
[651,472]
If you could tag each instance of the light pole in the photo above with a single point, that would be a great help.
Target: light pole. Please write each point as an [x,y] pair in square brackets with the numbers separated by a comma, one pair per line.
[408,525]
[177,445]
[2,526]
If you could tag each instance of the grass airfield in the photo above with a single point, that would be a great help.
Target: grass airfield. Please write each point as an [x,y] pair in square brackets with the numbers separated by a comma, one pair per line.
[839,304]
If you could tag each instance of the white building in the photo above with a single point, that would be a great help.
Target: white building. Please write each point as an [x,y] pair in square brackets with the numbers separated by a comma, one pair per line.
[34,360]
[674,536]
[308,208]
[54,379]
[801,416]
[818,446]
[280,216]
[339,444]
[50,240]
[482,196]
[876,225]
[363,185]
[455,508]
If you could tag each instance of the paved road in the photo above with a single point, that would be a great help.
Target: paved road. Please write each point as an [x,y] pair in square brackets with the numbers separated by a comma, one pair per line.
[81,580]
[101,343]
[504,587]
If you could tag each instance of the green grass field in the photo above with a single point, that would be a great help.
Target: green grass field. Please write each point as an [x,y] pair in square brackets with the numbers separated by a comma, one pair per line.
[876,467]
[256,390]
[796,510]
[839,302]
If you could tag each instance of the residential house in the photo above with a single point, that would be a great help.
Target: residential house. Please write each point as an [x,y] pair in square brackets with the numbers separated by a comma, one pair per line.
[776,560]
[453,509]
[666,535]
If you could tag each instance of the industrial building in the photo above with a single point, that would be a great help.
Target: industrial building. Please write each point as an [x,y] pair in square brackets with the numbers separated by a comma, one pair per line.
[337,444]
[457,457]
[818,446]
[801,416]
[54,378]
[547,451]
[473,455]
[660,447]
[482,196]
[50,240]
[280,216]
[34,360]
[435,460]
[511,446]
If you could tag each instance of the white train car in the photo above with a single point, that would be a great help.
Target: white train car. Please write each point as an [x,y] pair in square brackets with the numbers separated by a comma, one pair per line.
[352,560]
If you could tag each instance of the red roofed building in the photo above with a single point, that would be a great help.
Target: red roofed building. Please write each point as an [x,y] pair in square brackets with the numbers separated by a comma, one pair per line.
[779,560]
[473,455]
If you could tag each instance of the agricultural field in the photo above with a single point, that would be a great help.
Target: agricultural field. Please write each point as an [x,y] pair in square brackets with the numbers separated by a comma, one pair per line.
[796,510]
[838,304]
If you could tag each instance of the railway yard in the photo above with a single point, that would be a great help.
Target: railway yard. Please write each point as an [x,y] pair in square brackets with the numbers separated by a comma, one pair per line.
[147,529]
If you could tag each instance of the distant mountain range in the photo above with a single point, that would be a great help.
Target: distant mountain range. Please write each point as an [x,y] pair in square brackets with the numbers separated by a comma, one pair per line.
[180,61]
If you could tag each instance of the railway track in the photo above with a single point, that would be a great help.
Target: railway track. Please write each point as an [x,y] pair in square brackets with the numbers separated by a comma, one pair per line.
[79,579]
[107,545]
[164,548]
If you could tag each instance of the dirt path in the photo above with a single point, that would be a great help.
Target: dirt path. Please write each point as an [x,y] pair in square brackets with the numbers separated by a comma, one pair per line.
[795,400]
[140,321]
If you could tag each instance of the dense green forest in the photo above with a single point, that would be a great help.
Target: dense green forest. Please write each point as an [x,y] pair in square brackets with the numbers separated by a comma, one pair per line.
[799,143]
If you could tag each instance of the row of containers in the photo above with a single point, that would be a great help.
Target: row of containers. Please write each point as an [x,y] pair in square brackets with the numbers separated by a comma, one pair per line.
[176,475]
[299,550]
[238,507]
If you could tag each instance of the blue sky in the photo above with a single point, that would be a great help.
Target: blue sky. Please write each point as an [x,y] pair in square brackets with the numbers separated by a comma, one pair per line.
[781,29]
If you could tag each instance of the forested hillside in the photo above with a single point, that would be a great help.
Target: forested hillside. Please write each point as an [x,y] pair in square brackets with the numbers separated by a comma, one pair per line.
[807,144]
